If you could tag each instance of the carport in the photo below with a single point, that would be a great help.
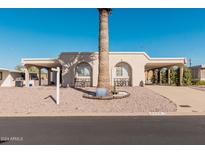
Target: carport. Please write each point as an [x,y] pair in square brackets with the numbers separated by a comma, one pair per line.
[156,66]
[40,63]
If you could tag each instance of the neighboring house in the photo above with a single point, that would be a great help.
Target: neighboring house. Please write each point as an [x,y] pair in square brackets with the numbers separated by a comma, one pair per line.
[8,77]
[81,68]
[198,72]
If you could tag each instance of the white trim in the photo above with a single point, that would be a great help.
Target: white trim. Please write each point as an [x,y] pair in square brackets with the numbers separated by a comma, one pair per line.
[177,58]
[38,59]
[131,52]
[112,52]
[25,61]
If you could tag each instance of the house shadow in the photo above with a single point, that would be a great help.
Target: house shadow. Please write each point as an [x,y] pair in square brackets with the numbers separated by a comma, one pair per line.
[52,98]
[85,91]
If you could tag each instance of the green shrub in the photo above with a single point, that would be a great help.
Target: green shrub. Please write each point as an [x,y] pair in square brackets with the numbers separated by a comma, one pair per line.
[174,76]
[199,82]
[164,76]
[187,78]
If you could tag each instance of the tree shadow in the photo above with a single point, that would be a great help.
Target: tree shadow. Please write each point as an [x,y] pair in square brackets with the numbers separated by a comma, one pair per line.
[69,61]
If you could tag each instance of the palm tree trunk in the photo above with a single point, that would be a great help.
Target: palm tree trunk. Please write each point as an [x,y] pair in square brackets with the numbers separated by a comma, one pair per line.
[103,67]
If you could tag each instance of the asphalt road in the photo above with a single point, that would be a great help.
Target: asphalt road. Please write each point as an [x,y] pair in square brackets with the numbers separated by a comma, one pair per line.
[103,130]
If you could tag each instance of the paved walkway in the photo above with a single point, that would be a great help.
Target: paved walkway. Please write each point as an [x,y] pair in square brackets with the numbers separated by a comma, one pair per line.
[183,96]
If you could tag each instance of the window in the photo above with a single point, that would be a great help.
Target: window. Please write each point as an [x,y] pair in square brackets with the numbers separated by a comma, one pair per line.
[1,76]
[122,70]
[119,71]
[83,70]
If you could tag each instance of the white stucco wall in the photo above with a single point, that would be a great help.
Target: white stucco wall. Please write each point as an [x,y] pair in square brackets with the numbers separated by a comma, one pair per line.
[202,74]
[8,78]
[138,61]
[198,73]
[70,60]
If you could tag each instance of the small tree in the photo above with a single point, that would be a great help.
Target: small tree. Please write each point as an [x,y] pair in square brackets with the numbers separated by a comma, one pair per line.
[164,76]
[199,82]
[31,69]
[153,77]
[19,67]
[173,76]
[187,78]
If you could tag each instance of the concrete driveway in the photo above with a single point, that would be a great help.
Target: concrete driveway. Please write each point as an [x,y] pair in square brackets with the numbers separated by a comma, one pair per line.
[183,96]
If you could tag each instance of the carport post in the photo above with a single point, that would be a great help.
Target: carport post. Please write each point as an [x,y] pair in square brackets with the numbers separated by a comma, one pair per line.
[49,76]
[181,70]
[57,84]
[26,76]
[39,73]
[168,75]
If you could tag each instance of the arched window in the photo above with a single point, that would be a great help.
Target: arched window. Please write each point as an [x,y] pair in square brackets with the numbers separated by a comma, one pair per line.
[123,74]
[122,70]
[83,70]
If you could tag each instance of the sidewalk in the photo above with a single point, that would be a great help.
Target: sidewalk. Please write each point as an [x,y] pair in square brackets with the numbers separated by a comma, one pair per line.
[149,114]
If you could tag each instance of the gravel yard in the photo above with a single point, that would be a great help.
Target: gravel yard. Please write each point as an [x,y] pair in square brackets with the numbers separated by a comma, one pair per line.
[40,101]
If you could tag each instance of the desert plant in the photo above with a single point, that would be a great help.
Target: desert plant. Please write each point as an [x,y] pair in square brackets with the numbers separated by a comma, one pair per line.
[153,79]
[199,82]
[174,76]
[164,76]
[19,67]
[31,69]
[187,77]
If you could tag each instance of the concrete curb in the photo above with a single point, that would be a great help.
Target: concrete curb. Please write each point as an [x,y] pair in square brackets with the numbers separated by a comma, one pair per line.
[107,114]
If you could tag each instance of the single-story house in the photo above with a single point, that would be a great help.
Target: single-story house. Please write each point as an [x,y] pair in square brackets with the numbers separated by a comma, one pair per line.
[81,68]
[8,77]
[198,72]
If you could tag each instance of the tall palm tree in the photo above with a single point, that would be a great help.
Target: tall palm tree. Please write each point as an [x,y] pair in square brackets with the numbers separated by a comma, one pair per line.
[103,67]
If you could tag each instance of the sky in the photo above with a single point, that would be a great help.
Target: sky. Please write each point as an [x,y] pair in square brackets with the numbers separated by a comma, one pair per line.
[44,33]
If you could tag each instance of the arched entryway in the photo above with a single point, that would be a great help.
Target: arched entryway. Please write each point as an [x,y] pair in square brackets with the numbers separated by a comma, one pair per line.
[123,74]
[83,75]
